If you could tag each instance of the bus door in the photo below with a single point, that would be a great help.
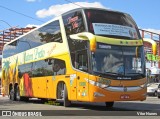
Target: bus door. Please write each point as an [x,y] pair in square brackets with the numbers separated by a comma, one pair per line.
[82,75]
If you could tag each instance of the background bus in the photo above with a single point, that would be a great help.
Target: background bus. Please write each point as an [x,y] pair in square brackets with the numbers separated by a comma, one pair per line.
[87,54]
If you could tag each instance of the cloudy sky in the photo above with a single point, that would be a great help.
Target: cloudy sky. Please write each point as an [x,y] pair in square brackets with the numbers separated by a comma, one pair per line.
[21,13]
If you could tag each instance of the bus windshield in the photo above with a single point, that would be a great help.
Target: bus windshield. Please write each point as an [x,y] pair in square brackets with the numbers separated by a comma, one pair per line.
[118,60]
[111,24]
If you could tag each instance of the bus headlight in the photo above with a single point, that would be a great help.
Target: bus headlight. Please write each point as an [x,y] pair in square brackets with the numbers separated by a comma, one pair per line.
[143,85]
[97,83]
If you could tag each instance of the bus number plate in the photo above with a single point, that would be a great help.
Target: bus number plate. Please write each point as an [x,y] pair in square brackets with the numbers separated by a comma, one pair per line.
[124,96]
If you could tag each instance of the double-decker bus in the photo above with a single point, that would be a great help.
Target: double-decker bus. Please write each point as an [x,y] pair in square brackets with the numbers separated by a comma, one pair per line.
[86,54]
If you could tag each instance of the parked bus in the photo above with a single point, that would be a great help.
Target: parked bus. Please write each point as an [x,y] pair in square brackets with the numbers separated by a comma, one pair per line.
[86,54]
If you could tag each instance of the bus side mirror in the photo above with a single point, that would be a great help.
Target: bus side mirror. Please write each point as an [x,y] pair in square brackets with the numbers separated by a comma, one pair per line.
[86,36]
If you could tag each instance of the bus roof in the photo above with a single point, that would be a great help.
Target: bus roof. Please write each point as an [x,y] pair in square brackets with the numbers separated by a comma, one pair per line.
[94,8]
[76,9]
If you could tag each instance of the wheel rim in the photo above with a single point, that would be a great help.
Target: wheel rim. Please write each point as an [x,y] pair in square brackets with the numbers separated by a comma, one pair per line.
[155,93]
[11,95]
[62,94]
[17,95]
[61,91]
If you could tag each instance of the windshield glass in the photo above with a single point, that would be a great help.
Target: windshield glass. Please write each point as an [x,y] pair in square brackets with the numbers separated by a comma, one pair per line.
[118,60]
[111,24]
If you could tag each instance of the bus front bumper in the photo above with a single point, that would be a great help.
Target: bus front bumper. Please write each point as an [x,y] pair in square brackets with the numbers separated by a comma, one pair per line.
[117,94]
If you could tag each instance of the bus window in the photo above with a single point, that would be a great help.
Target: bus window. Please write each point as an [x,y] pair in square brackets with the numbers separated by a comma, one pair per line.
[59,67]
[73,23]
[113,24]
[82,60]
[50,33]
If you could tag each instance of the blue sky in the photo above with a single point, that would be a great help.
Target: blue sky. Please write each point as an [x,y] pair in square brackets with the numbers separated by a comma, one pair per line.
[146,13]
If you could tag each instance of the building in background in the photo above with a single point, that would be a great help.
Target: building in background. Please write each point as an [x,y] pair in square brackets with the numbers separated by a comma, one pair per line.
[152,61]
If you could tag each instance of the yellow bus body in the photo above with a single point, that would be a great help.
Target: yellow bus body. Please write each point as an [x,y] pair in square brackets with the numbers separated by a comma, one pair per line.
[81,85]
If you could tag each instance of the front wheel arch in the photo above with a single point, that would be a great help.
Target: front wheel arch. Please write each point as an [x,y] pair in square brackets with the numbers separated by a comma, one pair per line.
[62,93]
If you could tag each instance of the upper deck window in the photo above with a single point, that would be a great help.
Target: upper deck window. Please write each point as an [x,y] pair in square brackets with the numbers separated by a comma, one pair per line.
[48,33]
[111,24]
[74,23]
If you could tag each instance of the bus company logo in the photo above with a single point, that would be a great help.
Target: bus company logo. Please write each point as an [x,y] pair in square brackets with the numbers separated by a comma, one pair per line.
[71,20]
[6,113]
[125,89]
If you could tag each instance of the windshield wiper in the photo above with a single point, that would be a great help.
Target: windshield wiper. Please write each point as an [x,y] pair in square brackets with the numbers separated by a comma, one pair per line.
[136,73]
[113,73]
[99,73]
[110,73]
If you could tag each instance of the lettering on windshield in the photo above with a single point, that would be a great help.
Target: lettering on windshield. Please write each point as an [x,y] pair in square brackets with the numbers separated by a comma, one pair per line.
[124,78]
[101,46]
[113,29]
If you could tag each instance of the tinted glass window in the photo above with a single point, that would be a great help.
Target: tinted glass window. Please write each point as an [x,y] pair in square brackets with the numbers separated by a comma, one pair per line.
[111,24]
[75,46]
[47,67]
[73,23]
[48,33]
[82,60]
[22,45]
[119,61]
[26,68]
[9,50]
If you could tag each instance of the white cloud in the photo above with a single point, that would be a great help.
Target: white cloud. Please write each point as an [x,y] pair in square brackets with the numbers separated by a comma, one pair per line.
[30,0]
[32,25]
[56,10]
[153,30]
[33,0]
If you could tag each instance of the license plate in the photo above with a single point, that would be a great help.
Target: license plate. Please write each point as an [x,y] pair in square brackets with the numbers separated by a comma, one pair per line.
[124,97]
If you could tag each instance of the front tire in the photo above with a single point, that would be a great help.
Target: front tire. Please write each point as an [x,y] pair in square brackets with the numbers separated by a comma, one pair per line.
[67,103]
[17,93]
[62,94]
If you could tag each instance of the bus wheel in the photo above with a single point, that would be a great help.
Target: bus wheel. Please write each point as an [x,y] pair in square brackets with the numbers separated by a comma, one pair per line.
[18,97]
[67,103]
[62,94]
[17,93]
[12,95]
[60,91]
[109,104]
